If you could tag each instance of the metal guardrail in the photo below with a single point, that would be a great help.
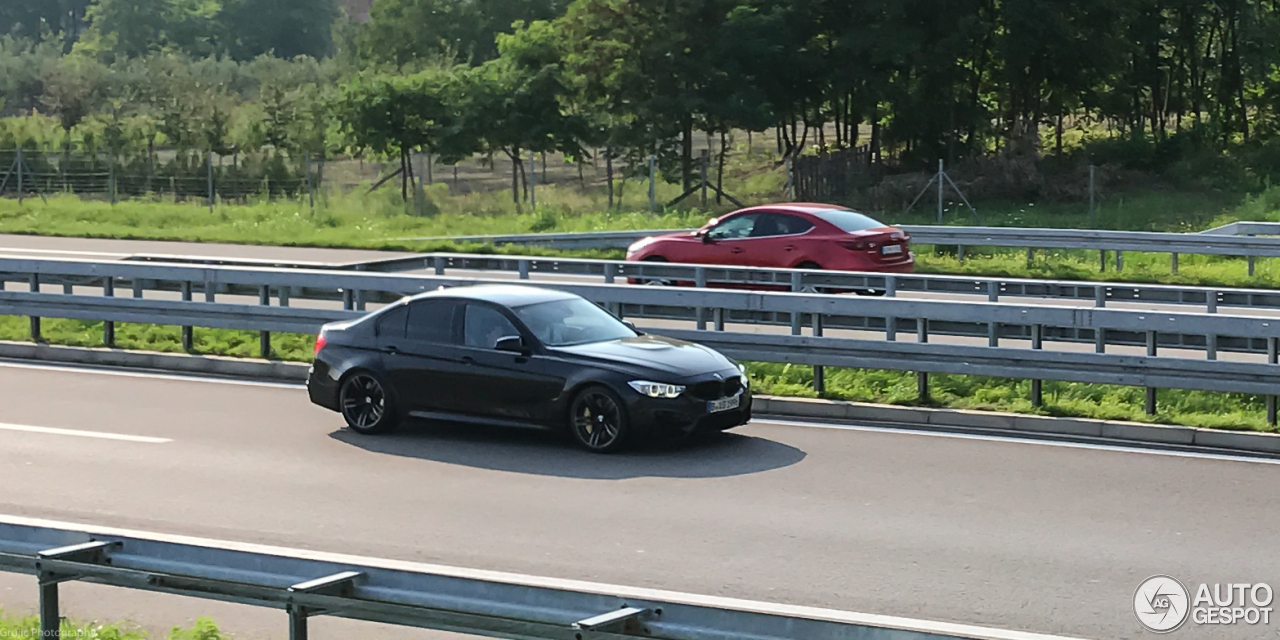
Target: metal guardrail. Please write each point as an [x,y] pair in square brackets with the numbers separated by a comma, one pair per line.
[979,289]
[813,312]
[307,584]
[963,237]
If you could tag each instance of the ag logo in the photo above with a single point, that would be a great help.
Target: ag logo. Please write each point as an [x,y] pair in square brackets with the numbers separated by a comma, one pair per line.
[1162,604]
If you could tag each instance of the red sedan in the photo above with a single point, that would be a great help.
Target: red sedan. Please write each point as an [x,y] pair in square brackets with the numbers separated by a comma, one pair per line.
[786,236]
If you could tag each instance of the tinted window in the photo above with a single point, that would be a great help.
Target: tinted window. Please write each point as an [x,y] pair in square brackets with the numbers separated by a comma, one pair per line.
[391,324]
[848,220]
[431,320]
[777,224]
[561,323]
[484,325]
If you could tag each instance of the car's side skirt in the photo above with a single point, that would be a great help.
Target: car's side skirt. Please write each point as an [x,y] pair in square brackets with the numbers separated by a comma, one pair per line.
[444,416]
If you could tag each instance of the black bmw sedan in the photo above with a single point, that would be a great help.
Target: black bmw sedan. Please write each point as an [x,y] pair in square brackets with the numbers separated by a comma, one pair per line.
[523,356]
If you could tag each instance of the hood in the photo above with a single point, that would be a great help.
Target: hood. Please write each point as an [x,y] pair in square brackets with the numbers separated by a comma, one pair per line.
[673,357]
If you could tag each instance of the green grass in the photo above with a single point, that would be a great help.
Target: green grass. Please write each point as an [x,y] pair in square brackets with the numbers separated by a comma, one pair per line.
[28,628]
[1190,408]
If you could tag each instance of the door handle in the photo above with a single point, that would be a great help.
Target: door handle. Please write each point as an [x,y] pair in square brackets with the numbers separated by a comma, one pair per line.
[468,360]
[391,348]
[737,250]
[789,248]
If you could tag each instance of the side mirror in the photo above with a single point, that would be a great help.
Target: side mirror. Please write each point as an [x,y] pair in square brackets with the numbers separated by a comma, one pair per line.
[514,344]
[632,327]
[706,237]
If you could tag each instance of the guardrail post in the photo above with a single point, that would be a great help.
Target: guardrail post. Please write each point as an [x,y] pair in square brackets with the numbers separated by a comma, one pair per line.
[610,273]
[522,268]
[1100,296]
[264,337]
[796,318]
[1102,261]
[348,300]
[1173,263]
[1119,261]
[50,620]
[922,377]
[1251,263]
[993,291]
[297,623]
[700,281]
[717,316]
[1031,255]
[437,263]
[891,286]
[1272,352]
[819,373]
[109,327]
[960,253]
[34,283]
[1151,391]
[188,333]
[1211,346]
[1037,386]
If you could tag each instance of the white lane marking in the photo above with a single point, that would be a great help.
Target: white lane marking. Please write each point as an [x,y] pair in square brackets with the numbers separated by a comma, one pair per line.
[70,368]
[64,252]
[82,434]
[1011,439]
[637,593]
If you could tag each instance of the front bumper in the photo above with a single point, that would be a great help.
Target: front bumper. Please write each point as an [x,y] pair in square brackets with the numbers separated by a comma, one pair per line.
[686,414]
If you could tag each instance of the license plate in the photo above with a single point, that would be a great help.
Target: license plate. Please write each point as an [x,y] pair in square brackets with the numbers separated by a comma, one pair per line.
[724,404]
[890,249]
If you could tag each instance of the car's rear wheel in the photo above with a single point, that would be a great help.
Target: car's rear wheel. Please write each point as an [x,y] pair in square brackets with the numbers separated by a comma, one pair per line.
[598,420]
[366,404]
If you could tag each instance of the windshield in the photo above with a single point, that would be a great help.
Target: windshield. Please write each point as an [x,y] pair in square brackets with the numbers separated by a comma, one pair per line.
[563,323]
[849,221]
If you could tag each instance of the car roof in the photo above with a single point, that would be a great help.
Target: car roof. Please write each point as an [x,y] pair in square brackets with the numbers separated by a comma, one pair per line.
[508,295]
[797,207]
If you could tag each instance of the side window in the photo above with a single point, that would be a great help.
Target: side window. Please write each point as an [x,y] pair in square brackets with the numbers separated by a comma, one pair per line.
[778,224]
[792,225]
[392,323]
[484,325]
[734,228]
[431,321]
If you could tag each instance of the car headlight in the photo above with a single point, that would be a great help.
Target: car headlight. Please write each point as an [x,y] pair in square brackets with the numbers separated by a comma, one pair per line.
[746,379]
[656,389]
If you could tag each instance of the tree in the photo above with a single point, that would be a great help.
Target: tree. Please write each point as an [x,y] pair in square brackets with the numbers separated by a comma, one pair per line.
[390,114]
[74,87]
[284,28]
[514,103]
[131,28]
[407,32]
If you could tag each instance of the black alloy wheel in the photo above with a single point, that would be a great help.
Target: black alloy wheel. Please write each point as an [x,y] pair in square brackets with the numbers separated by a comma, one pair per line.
[598,421]
[365,404]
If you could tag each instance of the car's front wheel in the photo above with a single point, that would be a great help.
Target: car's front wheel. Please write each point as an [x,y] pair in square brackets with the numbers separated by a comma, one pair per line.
[366,404]
[598,420]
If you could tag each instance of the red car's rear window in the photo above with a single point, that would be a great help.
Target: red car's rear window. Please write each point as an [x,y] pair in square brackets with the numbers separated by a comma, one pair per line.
[849,221]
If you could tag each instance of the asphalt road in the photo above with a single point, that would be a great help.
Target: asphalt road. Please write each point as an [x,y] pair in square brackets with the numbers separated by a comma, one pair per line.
[1031,536]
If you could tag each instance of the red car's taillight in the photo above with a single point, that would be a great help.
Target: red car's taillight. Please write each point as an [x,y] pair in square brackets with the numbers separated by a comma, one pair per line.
[320,342]
[857,245]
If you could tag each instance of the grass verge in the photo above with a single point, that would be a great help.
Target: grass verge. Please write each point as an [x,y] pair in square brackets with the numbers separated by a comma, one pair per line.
[1064,399]
[28,628]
